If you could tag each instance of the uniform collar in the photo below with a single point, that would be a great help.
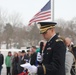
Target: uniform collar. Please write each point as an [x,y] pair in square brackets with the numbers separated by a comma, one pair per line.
[51,37]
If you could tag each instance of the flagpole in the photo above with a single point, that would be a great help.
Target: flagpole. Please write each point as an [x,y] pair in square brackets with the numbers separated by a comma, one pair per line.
[52,10]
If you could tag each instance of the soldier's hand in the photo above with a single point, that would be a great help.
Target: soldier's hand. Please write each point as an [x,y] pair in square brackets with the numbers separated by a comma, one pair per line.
[39,57]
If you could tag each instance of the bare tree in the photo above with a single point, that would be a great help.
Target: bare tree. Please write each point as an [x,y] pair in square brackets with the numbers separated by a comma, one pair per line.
[8,31]
[2,14]
[34,36]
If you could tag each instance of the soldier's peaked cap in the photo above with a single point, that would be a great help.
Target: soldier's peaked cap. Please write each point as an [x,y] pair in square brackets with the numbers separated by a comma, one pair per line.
[44,26]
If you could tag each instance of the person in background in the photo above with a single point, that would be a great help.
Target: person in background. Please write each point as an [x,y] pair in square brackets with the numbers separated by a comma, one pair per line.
[8,63]
[28,55]
[70,57]
[33,55]
[1,61]
[22,60]
[19,54]
[15,64]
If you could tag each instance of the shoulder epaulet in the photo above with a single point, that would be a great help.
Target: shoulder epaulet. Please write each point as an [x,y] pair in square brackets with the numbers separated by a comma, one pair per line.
[57,40]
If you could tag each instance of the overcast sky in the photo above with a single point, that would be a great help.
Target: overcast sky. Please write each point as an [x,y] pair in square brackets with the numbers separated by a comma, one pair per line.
[65,9]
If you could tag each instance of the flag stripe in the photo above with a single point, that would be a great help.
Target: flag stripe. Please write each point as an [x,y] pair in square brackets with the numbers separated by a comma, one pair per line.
[44,14]
[40,16]
[42,19]
[34,20]
[39,20]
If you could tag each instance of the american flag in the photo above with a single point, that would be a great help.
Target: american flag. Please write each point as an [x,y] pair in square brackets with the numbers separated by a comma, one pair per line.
[43,14]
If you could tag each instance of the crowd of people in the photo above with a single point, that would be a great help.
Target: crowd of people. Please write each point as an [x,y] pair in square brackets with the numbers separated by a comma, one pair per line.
[13,60]
[55,56]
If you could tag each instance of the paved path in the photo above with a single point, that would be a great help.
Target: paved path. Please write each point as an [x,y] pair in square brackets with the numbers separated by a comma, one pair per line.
[3,71]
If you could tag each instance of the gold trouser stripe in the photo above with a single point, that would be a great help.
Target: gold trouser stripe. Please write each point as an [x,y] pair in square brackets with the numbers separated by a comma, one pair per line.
[44,69]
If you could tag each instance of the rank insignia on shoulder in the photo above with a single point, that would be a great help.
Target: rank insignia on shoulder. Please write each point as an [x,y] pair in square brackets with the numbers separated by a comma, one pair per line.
[57,40]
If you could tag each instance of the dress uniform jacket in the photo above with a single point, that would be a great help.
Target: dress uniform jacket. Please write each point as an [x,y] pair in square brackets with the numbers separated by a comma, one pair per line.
[53,58]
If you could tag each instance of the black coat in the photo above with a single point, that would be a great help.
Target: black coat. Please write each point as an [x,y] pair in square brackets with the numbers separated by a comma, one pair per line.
[15,66]
[33,58]
[54,57]
[22,61]
[1,59]
[74,51]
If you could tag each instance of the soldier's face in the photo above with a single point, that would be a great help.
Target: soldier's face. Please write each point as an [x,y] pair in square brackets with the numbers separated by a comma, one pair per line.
[48,34]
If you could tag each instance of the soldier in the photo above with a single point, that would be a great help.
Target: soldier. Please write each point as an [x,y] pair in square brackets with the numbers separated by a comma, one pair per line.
[53,60]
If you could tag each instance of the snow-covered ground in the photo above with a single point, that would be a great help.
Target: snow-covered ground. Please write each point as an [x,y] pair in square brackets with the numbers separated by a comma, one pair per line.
[3,71]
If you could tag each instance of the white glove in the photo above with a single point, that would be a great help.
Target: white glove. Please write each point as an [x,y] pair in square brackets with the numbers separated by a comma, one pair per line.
[31,68]
[72,43]
[39,57]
